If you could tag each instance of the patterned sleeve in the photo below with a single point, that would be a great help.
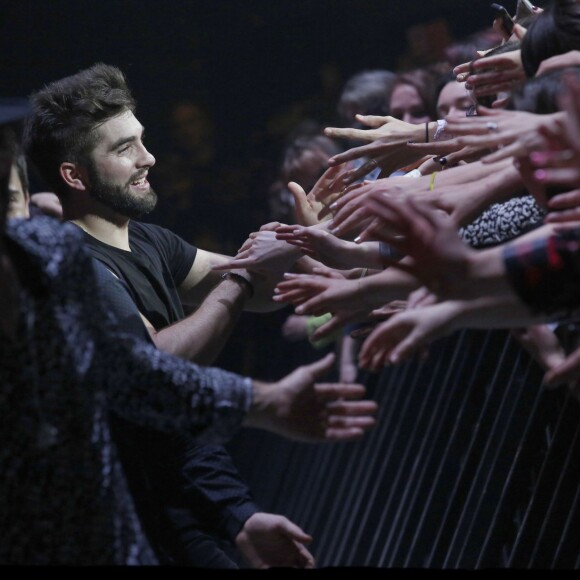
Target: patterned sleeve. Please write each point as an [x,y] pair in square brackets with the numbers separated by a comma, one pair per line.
[546,273]
[502,222]
[139,382]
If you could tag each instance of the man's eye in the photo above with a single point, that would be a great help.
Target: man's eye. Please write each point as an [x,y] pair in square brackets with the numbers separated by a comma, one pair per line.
[124,148]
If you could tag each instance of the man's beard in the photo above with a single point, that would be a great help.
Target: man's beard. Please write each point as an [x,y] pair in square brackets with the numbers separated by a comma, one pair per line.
[119,198]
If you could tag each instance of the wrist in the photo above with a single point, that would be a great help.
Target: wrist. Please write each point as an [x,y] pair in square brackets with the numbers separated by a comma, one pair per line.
[243,278]
[259,415]
[483,269]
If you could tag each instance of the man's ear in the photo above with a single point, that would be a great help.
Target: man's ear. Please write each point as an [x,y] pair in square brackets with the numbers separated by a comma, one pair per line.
[73,175]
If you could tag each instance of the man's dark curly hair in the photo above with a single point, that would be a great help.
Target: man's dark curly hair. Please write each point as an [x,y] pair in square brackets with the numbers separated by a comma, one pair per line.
[66,114]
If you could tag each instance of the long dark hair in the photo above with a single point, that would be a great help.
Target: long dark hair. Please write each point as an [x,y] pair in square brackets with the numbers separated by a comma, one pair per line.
[554,31]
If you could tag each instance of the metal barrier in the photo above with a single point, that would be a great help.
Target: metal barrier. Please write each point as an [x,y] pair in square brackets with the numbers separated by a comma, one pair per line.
[473,464]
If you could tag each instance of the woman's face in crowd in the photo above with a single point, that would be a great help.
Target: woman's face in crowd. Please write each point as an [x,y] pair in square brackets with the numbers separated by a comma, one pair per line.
[308,170]
[454,100]
[406,105]
[18,200]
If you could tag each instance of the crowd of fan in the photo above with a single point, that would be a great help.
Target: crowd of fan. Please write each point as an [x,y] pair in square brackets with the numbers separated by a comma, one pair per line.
[449,199]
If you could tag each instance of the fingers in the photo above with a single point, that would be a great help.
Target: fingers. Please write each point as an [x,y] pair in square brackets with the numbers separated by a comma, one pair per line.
[321,366]
[295,532]
[350,154]
[437,147]
[352,415]
[563,216]
[329,186]
[271,227]
[348,133]
[346,400]
[301,205]
[563,177]
[231,265]
[238,262]
[351,193]
[327,328]
[563,201]
[566,372]
[467,153]
[515,149]
[345,405]
[373,121]
[295,296]
[353,175]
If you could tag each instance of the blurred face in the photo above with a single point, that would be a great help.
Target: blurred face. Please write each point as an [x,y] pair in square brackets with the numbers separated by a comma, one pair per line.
[313,164]
[119,167]
[406,105]
[454,100]
[18,197]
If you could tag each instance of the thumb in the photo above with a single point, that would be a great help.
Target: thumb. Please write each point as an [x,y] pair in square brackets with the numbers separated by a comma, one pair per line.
[373,121]
[320,367]
[298,193]
[301,204]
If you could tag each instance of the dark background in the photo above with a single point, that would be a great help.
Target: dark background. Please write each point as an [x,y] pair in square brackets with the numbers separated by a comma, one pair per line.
[219,84]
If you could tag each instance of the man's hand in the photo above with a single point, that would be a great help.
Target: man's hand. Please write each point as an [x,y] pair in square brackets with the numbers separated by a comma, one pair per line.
[262,252]
[299,408]
[273,541]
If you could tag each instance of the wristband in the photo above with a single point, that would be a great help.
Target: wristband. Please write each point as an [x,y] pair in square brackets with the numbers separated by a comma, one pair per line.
[239,278]
[441,126]
[432,181]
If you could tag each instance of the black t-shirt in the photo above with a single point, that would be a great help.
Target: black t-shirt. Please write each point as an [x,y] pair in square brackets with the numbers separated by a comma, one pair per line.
[157,264]
[190,497]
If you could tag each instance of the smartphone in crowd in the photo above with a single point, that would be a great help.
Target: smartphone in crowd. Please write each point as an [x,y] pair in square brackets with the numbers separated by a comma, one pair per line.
[506,20]
[525,8]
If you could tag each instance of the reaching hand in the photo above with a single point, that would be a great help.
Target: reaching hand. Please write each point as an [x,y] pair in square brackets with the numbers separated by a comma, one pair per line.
[490,75]
[566,373]
[435,253]
[405,334]
[319,244]
[299,408]
[313,208]
[388,129]
[559,166]
[350,211]
[517,132]
[542,344]
[317,293]
[387,147]
[273,541]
